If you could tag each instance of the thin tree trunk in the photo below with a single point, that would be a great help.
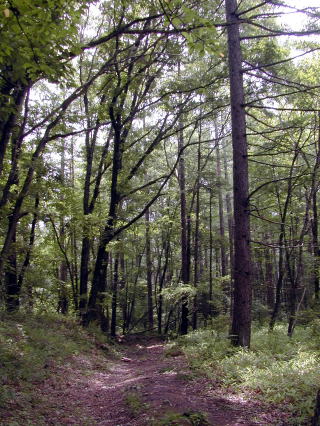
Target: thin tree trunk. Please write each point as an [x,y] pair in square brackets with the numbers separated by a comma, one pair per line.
[26,262]
[161,285]
[221,214]
[316,250]
[314,224]
[230,230]
[7,125]
[11,279]
[149,271]
[114,297]
[185,270]
[283,215]
[269,274]
[13,132]
[63,302]
[132,305]
[99,276]
[89,204]
[197,235]
[296,283]
[210,255]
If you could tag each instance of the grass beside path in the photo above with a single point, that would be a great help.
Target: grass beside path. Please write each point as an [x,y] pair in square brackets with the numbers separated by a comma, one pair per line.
[277,369]
[30,348]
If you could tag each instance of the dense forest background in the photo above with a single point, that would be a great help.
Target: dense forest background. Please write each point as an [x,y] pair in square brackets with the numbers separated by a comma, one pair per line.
[127,181]
[159,174]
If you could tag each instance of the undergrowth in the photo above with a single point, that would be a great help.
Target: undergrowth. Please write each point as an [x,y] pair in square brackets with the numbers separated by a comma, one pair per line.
[277,369]
[135,403]
[30,346]
[192,418]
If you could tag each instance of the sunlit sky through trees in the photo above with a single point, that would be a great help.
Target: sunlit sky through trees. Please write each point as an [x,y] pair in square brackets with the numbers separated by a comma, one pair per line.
[298,20]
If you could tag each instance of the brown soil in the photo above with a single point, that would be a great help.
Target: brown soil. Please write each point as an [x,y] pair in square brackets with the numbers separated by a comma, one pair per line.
[142,387]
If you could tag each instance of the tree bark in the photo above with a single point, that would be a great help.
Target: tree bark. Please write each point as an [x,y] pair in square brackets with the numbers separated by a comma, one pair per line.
[269,276]
[210,255]
[11,278]
[241,320]
[8,121]
[221,215]
[315,220]
[161,284]
[26,262]
[99,277]
[316,250]
[63,302]
[149,271]
[230,230]
[197,235]
[89,201]
[185,270]
[282,239]
[114,297]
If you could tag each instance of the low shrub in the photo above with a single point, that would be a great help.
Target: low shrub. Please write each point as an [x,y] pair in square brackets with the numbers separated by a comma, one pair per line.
[277,368]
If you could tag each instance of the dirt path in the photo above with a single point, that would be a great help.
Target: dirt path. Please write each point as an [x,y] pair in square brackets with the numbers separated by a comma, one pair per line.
[141,388]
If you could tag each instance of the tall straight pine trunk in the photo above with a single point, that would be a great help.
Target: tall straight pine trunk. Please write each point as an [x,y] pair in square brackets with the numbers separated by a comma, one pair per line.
[241,318]
[149,271]
[185,271]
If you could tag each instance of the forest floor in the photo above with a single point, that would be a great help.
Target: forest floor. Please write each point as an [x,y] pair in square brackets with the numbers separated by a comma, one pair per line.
[144,386]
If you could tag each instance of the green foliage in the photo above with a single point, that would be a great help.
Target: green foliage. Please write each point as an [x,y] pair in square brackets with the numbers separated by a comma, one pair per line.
[134,402]
[35,36]
[173,350]
[278,369]
[309,317]
[260,312]
[194,418]
[176,294]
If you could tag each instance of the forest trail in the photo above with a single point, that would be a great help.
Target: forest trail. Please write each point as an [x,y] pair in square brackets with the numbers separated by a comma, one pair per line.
[144,387]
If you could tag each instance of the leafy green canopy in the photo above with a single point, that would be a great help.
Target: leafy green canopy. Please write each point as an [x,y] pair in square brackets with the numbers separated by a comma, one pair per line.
[35,36]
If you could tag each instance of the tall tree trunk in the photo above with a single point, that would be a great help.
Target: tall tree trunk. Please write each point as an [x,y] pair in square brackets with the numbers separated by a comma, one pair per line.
[11,279]
[123,287]
[26,262]
[11,131]
[185,265]
[314,223]
[98,287]
[8,120]
[210,255]
[132,304]
[221,214]
[316,249]
[149,271]
[114,297]
[269,276]
[88,205]
[162,282]
[74,240]
[294,304]
[84,272]
[63,302]
[279,284]
[230,230]
[241,320]
[282,238]
[197,234]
